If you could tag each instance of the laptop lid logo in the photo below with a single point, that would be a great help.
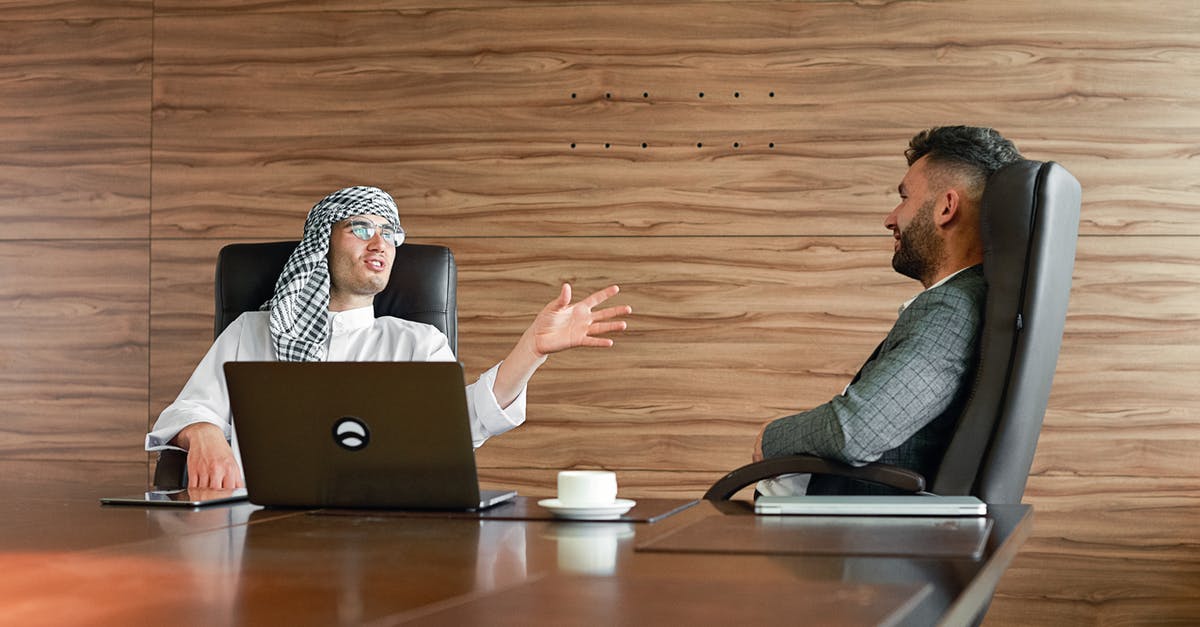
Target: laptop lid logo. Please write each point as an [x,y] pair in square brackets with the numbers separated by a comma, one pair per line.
[351,433]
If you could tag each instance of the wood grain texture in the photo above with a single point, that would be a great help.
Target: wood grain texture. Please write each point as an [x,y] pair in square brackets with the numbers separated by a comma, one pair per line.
[18,10]
[75,121]
[1111,581]
[1124,401]
[50,482]
[471,127]
[1049,590]
[1066,20]
[1111,517]
[181,314]
[73,350]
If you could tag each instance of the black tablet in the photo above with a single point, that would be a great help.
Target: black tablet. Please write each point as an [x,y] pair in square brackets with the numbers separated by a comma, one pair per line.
[196,497]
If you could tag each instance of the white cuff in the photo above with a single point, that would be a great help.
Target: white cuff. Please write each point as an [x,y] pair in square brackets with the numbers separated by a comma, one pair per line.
[488,418]
[157,440]
[794,484]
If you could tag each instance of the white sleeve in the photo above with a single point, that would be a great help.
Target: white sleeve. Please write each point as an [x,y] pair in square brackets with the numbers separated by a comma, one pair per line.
[487,417]
[204,398]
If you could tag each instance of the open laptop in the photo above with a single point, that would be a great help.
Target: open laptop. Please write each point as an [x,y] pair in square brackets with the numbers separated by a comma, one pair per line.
[868,505]
[356,434]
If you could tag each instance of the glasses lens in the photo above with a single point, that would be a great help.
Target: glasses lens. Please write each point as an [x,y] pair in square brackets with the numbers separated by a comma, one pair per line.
[366,230]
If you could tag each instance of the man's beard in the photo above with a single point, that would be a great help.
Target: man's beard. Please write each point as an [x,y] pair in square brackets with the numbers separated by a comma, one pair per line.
[921,250]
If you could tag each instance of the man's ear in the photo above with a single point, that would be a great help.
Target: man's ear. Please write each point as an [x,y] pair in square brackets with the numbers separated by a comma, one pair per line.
[947,208]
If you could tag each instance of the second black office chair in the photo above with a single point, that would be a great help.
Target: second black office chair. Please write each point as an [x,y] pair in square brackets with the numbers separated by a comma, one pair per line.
[1030,219]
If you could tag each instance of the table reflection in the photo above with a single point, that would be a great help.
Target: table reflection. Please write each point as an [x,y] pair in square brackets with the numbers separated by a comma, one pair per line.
[209,564]
[353,569]
[501,557]
[589,548]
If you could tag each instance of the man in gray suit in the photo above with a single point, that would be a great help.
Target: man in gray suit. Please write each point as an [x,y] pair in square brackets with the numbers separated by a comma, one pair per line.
[902,405]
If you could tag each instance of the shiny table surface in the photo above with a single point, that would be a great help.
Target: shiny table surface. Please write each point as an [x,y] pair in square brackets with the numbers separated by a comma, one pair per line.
[65,559]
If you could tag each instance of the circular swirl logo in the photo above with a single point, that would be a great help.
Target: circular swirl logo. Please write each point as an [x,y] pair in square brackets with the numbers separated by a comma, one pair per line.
[351,433]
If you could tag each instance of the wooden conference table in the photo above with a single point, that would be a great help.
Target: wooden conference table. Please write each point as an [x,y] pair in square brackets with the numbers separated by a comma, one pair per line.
[65,559]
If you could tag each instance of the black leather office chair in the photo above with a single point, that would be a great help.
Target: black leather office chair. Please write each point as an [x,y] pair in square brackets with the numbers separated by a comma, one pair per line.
[422,288]
[1030,218]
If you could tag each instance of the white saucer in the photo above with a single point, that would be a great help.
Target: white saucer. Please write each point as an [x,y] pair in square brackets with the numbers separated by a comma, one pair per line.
[588,512]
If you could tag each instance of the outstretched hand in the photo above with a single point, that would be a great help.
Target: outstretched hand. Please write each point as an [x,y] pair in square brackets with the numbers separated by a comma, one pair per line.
[558,327]
[562,325]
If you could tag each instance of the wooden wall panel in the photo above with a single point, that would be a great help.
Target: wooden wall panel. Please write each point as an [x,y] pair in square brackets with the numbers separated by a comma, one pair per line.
[1130,353]
[1106,550]
[73,349]
[14,10]
[47,482]
[472,128]
[1113,483]
[1043,589]
[181,314]
[74,199]
[74,114]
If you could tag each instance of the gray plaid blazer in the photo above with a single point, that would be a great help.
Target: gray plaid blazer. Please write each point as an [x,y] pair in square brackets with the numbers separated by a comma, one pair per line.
[903,404]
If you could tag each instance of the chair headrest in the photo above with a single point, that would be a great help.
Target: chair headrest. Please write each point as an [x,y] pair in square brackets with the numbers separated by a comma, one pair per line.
[422,286]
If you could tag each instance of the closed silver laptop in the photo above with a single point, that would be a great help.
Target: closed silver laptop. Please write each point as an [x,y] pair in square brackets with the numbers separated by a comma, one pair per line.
[915,505]
[356,435]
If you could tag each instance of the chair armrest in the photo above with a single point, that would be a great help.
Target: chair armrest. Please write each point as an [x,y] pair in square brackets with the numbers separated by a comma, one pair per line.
[883,474]
[170,471]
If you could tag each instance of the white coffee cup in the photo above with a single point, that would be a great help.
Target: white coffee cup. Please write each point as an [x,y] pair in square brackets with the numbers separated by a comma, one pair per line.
[587,488]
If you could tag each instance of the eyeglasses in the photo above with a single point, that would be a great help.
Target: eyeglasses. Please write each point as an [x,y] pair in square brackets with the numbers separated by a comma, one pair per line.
[365,230]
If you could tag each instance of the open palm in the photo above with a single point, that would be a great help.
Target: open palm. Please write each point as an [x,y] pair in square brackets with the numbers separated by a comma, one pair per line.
[561,325]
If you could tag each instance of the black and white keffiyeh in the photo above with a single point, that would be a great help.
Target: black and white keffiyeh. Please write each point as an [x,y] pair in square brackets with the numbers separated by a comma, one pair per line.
[300,306]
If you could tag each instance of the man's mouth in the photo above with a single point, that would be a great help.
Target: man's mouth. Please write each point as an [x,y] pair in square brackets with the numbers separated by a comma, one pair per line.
[375,264]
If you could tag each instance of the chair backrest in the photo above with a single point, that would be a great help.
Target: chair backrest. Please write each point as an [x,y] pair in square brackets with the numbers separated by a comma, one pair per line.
[422,287]
[1030,223]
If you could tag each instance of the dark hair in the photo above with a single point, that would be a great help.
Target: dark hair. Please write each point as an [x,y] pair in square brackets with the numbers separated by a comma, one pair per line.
[974,152]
